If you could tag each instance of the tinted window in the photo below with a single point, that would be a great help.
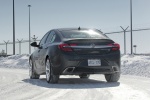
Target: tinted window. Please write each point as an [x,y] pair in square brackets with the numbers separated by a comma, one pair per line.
[43,39]
[51,38]
[83,34]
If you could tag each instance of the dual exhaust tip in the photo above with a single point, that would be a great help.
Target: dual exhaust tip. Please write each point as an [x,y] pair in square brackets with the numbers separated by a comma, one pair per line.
[69,70]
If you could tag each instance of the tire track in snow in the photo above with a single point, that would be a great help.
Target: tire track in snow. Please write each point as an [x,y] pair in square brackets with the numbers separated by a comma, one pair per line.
[16,85]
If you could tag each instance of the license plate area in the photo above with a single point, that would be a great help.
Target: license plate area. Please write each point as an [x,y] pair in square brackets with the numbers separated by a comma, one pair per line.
[94,62]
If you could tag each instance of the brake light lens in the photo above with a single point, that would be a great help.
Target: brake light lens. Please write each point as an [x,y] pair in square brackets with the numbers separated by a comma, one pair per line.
[66,47]
[115,46]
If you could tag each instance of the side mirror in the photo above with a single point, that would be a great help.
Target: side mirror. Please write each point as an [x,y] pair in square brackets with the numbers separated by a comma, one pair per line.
[34,44]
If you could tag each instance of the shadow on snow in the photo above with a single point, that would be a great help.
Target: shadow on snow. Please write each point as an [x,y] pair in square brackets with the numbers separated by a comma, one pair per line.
[72,83]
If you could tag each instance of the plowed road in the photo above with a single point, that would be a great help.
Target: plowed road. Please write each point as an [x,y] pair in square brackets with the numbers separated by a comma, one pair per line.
[16,85]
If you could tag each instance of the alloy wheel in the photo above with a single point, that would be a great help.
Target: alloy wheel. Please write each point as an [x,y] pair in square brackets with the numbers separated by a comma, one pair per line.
[48,71]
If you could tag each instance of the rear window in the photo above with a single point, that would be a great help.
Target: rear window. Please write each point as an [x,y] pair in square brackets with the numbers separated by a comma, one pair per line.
[83,34]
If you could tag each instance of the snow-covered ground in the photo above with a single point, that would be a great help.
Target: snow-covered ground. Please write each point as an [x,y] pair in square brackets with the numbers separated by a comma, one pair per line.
[15,61]
[16,85]
[138,65]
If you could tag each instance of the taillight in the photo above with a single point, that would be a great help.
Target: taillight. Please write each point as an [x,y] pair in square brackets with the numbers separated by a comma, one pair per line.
[115,46]
[66,47]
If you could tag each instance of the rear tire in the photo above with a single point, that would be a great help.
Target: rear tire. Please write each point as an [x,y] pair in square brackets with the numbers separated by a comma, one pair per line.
[32,73]
[112,77]
[84,76]
[50,77]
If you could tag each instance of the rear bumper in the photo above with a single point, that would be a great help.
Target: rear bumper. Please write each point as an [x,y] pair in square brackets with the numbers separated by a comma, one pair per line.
[90,70]
[75,65]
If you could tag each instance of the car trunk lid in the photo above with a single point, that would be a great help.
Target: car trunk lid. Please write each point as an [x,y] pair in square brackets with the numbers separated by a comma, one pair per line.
[89,46]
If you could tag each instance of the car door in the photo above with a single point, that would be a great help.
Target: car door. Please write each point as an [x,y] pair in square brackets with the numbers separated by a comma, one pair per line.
[35,58]
[41,46]
[44,49]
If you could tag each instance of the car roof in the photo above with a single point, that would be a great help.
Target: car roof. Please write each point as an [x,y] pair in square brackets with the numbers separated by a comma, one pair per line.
[71,29]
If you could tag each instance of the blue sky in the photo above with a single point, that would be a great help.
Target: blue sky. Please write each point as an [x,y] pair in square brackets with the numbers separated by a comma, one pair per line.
[107,15]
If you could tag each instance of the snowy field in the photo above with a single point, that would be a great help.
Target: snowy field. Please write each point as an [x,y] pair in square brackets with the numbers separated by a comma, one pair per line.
[130,64]
[134,83]
[15,61]
[138,65]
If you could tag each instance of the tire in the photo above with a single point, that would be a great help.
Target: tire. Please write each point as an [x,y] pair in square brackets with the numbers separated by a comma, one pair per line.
[84,76]
[50,77]
[32,73]
[112,77]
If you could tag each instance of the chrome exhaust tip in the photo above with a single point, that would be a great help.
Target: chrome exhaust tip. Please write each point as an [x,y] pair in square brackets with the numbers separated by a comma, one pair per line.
[69,70]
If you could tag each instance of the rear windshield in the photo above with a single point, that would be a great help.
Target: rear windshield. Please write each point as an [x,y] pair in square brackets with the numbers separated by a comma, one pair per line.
[83,34]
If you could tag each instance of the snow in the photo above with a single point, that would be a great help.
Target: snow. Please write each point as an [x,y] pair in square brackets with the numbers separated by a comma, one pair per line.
[137,65]
[15,61]
[15,83]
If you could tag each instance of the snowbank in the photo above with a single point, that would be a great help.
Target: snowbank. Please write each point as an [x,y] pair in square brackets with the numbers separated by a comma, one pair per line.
[15,61]
[135,65]
[131,64]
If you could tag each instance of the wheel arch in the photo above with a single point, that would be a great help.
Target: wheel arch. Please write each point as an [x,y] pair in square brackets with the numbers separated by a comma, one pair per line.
[46,58]
[30,58]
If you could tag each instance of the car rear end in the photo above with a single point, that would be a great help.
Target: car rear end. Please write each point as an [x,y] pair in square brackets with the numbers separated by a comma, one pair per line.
[88,52]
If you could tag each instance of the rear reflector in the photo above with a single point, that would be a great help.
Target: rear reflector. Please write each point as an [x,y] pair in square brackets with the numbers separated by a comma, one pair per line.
[115,46]
[66,47]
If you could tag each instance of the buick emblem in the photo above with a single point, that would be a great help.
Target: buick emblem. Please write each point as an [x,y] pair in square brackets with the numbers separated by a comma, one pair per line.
[93,45]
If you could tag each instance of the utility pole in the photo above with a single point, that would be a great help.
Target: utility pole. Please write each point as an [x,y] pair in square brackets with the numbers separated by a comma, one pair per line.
[124,30]
[29,31]
[13,28]
[131,26]
[6,45]
[20,41]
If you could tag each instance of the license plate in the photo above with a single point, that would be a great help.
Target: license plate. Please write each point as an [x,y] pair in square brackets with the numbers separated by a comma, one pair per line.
[94,62]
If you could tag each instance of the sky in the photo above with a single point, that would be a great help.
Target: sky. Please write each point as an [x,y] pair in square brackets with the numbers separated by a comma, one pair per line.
[106,15]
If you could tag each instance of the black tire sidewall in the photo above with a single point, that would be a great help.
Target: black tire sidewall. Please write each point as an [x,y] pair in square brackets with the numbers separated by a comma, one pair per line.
[50,74]
[52,78]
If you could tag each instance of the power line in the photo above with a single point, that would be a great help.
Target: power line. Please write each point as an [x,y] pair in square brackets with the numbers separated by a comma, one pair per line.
[6,45]
[20,41]
[124,30]
[24,41]
[145,29]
